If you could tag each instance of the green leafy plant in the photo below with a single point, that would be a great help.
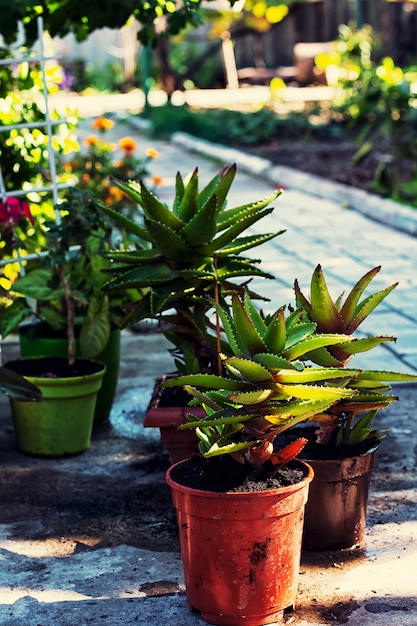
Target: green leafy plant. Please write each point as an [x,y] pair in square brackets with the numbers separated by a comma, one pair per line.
[266,388]
[186,257]
[66,279]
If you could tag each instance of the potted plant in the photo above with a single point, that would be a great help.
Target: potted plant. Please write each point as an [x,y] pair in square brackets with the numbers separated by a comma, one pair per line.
[343,441]
[58,306]
[186,256]
[240,533]
[62,422]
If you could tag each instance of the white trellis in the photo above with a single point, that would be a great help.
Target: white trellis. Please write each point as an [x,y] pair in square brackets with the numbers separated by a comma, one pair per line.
[47,122]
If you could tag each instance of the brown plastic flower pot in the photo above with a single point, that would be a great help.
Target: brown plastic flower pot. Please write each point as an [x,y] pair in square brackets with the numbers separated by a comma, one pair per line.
[241,551]
[335,514]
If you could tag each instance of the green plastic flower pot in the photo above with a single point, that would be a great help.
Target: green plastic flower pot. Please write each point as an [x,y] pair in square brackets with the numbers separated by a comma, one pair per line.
[35,342]
[61,423]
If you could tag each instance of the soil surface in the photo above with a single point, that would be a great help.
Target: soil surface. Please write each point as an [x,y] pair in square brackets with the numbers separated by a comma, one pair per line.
[333,159]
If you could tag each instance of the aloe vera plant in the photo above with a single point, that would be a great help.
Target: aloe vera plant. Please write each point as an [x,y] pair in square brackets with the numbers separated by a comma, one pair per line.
[266,388]
[341,316]
[349,421]
[186,256]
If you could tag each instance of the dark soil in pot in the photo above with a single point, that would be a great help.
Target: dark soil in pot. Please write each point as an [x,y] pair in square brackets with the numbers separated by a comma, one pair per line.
[53,367]
[223,474]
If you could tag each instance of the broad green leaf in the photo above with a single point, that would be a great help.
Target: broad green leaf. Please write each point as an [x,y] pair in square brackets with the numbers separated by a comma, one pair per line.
[95,329]
[37,285]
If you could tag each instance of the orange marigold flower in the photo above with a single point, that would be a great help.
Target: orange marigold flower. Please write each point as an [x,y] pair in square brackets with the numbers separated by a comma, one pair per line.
[91,140]
[102,123]
[85,178]
[157,180]
[152,153]
[116,193]
[127,144]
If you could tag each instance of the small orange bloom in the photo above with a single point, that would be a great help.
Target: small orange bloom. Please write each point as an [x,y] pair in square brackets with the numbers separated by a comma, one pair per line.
[91,140]
[102,123]
[127,144]
[157,180]
[152,153]
[116,193]
[85,178]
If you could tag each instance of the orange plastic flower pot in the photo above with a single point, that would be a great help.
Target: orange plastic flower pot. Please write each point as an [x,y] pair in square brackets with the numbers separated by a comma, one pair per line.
[241,551]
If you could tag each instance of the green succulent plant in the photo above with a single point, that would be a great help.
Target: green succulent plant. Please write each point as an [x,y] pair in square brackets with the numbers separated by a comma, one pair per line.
[341,316]
[266,388]
[349,421]
[187,256]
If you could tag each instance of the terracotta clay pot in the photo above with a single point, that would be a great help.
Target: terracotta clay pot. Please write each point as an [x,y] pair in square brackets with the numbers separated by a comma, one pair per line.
[241,551]
[180,444]
[335,515]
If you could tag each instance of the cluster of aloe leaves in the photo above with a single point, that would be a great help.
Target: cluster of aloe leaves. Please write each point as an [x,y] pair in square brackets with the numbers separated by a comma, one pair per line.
[184,257]
[266,388]
[349,421]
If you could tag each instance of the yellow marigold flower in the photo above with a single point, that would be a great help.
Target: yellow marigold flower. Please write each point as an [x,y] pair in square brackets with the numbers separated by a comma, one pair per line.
[91,140]
[152,153]
[102,123]
[127,144]
[157,180]
[116,193]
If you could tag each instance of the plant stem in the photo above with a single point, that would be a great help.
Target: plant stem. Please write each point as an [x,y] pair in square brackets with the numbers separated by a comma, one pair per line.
[70,314]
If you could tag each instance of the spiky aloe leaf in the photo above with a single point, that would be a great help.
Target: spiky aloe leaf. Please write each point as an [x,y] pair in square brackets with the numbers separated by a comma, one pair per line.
[241,267]
[224,417]
[275,336]
[131,257]
[311,343]
[362,429]
[130,189]
[125,223]
[274,362]
[314,391]
[383,376]
[300,409]
[245,328]
[249,370]
[169,242]
[347,310]
[233,231]
[201,229]
[298,332]
[157,211]
[367,306]
[321,356]
[229,217]
[207,381]
[313,374]
[179,193]
[324,309]
[143,276]
[251,397]
[360,345]
[218,186]
[254,314]
[237,346]
[230,448]
[189,203]
[241,244]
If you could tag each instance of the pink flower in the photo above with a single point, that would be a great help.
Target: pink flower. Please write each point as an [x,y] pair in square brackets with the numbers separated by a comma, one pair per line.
[13,210]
